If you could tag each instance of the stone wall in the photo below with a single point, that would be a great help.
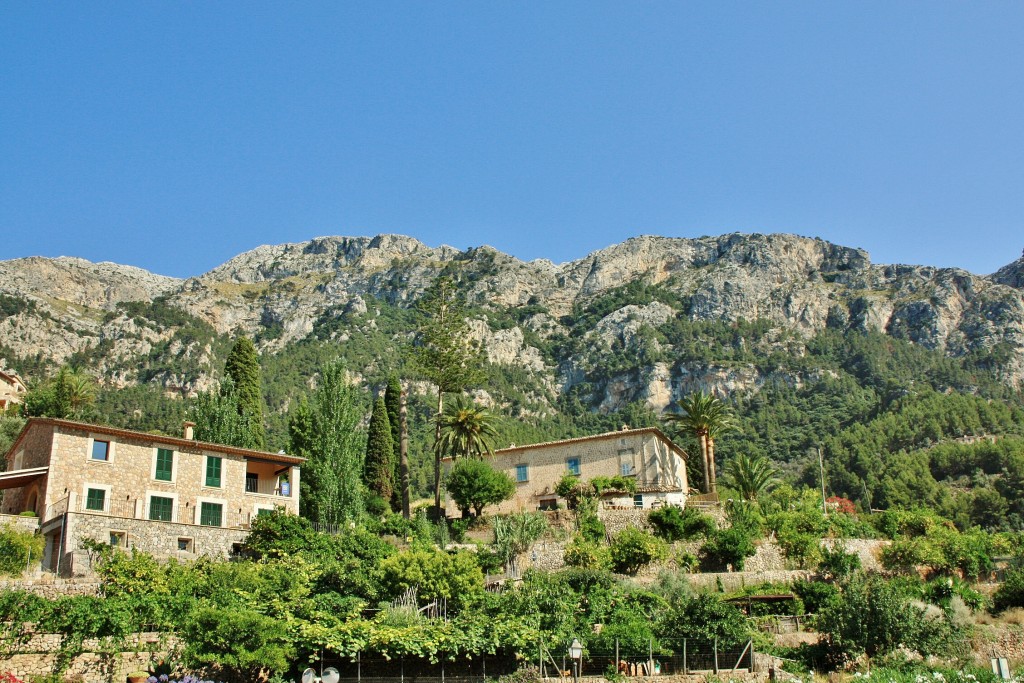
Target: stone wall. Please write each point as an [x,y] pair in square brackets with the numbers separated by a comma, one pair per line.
[157,538]
[50,587]
[30,524]
[37,657]
[615,521]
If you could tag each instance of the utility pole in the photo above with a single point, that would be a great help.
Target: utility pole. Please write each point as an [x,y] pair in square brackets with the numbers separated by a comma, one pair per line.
[821,474]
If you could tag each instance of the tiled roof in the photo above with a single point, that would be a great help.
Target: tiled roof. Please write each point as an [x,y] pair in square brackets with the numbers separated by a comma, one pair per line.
[157,438]
[597,437]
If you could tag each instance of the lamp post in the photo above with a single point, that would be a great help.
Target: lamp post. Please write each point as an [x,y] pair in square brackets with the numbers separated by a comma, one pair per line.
[575,653]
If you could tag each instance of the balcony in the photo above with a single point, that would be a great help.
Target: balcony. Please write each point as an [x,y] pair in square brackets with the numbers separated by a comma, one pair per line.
[136,509]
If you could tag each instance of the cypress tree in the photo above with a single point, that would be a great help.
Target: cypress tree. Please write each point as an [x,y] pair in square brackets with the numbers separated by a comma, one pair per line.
[243,367]
[393,404]
[380,453]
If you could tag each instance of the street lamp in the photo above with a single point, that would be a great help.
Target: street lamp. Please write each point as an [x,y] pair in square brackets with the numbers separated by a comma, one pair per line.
[575,653]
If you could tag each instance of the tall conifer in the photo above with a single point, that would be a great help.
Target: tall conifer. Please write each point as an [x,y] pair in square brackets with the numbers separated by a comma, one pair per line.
[380,454]
[243,367]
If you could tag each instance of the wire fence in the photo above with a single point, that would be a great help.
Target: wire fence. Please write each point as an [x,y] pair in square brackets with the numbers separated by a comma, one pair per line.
[682,656]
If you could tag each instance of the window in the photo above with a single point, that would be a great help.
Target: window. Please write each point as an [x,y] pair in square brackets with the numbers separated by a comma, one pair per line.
[522,473]
[211,514]
[626,469]
[573,465]
[213,472]
[264,511]
[164,464]
[161,509]
[95,499]
[638,500]
[119,539]
[185,544]
[101,450]
[252,482]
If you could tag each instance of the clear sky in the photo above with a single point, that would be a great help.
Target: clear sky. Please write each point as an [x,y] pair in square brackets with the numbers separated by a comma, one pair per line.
[173,136]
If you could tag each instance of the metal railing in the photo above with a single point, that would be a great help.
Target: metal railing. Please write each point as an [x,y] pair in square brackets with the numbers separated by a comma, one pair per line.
[136,509]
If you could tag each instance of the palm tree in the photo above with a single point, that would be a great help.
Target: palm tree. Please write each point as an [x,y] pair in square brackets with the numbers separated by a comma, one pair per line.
[750,476]
[465,429]
[705,417]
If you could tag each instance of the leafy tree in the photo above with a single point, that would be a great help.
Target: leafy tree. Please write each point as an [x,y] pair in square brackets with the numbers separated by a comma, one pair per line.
[704,617]
[475,484]
[17,549]
[874,617]
[325,431]
[243,367]
[750,476]
[705,417]
[244,643]
[584,553]
[633,549]
[1010,592]
[380,453]
[466,430]
[445,353]
[219,420]
[725,548]
[673,524]
[69,395]
[434,574]
[10,428]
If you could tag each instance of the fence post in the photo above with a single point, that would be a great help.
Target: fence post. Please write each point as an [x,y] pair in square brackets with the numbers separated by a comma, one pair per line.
[483,666]
[750,644]
[650,656]
[716,655]
[540,658]
[359,666]
[617,654]
[686,668]
[402,660]
[442,671]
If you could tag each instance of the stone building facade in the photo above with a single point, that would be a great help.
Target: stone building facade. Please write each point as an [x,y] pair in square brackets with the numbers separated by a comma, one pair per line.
[174,497]
[12,389]
[647,455]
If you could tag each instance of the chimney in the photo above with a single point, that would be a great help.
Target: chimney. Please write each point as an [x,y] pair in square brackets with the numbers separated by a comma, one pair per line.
[190,430]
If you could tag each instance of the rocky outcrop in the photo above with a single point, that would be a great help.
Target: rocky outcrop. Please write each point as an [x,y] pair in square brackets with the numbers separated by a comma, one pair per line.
[280,293]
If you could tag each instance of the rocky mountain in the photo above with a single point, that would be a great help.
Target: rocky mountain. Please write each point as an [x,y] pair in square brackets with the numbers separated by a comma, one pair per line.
[622,324]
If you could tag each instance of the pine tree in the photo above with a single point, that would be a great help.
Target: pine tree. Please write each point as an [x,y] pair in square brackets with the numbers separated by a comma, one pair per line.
[446,354]
[243,367]
[379,466]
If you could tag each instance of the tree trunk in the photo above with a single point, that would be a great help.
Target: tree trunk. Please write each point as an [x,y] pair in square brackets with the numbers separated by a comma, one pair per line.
[711,465]
[403,454]
[437,455]
[703,439]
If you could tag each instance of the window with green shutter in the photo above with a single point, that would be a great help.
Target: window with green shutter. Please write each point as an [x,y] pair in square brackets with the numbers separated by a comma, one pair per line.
[211,514]
[164,464]
[212,471]
[95,499]
[161,509]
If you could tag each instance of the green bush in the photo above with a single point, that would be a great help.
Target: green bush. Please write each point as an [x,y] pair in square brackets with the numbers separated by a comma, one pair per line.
[726,547]
[673,524]
[1010,592]
[837,564]
[634,549]
[584,553]
[18,549]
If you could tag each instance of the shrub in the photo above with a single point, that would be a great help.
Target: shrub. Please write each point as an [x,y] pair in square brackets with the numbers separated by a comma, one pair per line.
[584,553]
[1010,593]
[726,547]
[874,617]
[673,524]
[837,564]
[475,484]
[633,549]
[17,548]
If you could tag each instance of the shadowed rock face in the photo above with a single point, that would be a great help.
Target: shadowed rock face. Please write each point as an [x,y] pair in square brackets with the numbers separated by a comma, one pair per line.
[798,285]
[1011,275]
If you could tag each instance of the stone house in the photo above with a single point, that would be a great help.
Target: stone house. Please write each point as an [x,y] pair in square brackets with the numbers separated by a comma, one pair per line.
[657,465]
[12,389]
[173,497]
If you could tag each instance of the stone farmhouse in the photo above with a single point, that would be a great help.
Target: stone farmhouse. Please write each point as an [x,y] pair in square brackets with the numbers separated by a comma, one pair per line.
[12,389]
[173,497]
[657,465]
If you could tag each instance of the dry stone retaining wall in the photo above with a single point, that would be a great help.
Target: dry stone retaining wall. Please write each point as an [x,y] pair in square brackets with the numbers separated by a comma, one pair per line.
[38,656]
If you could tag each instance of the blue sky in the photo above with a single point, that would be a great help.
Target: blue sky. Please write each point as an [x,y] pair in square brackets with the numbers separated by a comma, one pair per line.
[173,136]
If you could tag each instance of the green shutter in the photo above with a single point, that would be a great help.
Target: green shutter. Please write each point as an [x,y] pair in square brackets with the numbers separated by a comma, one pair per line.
[212,471]
[211,514]
[161,509]
[164,464]
[94,499]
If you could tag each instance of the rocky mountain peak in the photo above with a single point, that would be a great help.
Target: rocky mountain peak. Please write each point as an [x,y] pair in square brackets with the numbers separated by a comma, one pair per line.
[1012,274]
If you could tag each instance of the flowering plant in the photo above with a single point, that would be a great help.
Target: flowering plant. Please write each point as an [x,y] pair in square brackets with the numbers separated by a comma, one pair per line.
[7,677]
[164,678]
